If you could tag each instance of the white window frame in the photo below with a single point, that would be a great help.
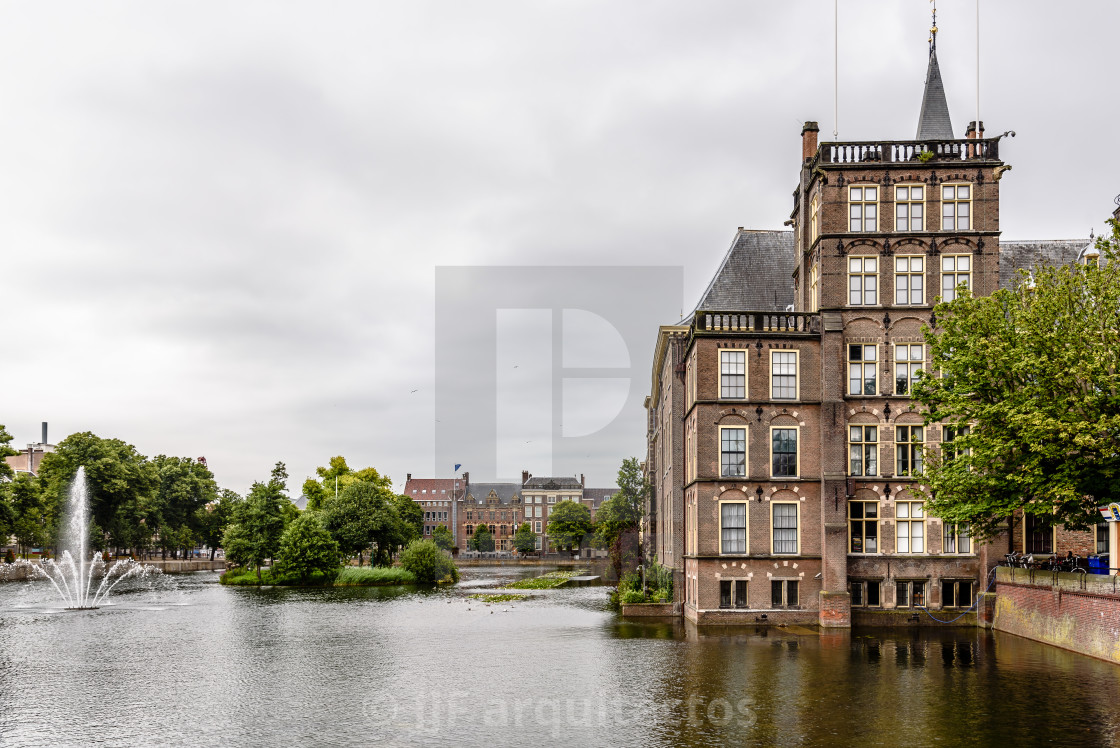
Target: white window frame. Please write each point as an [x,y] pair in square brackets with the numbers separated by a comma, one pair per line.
[746,527]
[815,287]
[796,375]
[914,449]
[815,217]
[862,371]
[906,517]
[742,353]
[797,454]
[746,451]
[950,195]
[797,530]
[949,292]
[909,275]
[865,448]
[864,275]
[908,365]
[864,521]
[906,205]
[859,208]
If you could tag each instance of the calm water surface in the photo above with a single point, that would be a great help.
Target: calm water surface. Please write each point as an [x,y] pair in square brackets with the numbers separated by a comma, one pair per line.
[194,663]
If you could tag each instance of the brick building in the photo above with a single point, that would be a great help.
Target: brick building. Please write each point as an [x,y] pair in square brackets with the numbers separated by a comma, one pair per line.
[783,447]
[462,506]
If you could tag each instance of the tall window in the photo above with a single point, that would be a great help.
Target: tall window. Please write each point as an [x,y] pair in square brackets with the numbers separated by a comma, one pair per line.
[909,288]
[733,374]
[815,217]
[733,452]
[1102,538]
[814,287]
[783,593]
[863,526]
[863,202]
[785,527]
[783,375]
[863,281]
[955,207]
[956,270]
[1040,535]
[908,201]
[908,444]
[783,452]
[907,363]
[956,539]
[949,450]
[863,450]
[910,523]
[733,528]
[861,369]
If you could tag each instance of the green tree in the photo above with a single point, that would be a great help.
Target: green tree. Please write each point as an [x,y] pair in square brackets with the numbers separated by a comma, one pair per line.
[411,516]
[306,547]
[428,562]
[525,540]
[122,486]
[215,517]
[184,487]
[32,520]
[482,540]
[1029,391]
[623,511]
[258,523]
[443,538]
[5,452]
[365,516]
[569,523]
[335,477]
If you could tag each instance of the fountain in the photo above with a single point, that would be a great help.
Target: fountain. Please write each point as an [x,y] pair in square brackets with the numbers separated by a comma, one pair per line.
[74,581]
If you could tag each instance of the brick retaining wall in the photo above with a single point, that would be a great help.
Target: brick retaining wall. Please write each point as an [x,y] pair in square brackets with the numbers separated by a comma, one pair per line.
[1080,612]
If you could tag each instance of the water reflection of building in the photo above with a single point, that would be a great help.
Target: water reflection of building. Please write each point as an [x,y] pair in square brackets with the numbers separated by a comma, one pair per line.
[784,449]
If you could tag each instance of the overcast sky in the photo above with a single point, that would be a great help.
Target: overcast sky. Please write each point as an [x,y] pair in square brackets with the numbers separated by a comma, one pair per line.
[220,221]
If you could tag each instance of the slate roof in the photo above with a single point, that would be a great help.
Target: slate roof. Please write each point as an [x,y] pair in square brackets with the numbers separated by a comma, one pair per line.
[933,122]
[1024,255]
[505,491]
[598,495]
[756,274]
[548,483]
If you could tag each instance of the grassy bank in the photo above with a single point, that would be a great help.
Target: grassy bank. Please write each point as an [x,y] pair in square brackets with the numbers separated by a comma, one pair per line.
[545,581]
[349,576]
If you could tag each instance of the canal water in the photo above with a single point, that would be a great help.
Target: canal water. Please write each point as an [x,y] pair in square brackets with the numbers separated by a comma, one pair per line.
[190,662]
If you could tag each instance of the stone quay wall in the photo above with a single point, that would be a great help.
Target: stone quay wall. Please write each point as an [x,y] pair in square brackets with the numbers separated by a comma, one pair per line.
[1079,612]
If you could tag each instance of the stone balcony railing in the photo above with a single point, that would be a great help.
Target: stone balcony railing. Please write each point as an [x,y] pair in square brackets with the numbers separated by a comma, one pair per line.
[795,323]
[908,151]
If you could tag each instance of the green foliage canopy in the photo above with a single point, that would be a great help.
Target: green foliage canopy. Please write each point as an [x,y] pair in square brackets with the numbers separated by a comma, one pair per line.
[525,540]
[306,547]
[428,562]
[482,540]
[569,523]
[1033,374]
[443,538]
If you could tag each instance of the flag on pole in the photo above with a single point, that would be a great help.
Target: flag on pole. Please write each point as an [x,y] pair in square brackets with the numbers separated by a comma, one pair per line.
[457,466]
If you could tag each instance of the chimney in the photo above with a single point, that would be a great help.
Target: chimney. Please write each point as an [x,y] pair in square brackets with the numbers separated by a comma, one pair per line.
[407,477]
[809,140]
[45,432]
[524,477]
[970,133]
[582,483]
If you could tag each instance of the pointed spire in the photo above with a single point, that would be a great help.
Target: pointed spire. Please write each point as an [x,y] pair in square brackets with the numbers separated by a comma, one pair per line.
[934,122]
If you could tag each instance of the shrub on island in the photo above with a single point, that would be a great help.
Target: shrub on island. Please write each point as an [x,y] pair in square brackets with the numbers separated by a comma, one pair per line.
[428,562]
